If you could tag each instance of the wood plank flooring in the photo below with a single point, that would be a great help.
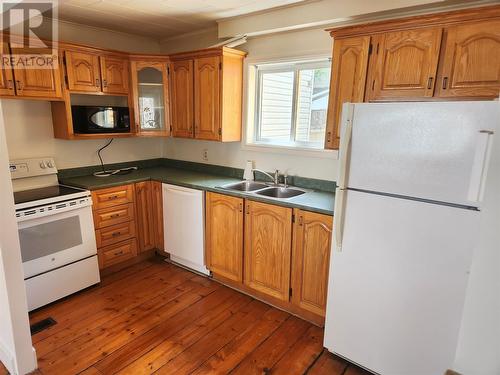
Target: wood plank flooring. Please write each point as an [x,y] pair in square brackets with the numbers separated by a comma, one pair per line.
[155,318]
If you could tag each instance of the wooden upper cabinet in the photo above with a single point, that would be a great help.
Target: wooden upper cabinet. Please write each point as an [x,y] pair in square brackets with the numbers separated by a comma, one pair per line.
[404,64]
[347,82]
[181,76]
[470,65]
[150,97]
[157,200]
[114,74]
[145,215]
[268,241]
[311,260]
[207,98]
[83,71]
[224,236]
[37,83]
[6,76]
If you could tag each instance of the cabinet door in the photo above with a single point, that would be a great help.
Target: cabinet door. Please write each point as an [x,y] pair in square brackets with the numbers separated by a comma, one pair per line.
[224,235]
[37,83]
[348,78]
[470,64]
[310,261]
[404,64]
[268,240]
[207,98]
[114,72]
[157,197]
[145,217]
[83,71]
[6,76]
[150,92]
[181,73]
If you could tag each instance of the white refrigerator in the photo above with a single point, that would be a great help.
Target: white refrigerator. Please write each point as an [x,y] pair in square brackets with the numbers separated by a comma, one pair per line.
[407,208]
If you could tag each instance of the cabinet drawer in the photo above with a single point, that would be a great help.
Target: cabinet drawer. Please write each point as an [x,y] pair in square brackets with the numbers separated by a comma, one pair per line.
[117,253]
[115,233]
[112,196]
[113,215]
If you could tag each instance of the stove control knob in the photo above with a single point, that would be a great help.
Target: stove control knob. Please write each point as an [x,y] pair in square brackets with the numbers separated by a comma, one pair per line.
[49,164]
[42,165]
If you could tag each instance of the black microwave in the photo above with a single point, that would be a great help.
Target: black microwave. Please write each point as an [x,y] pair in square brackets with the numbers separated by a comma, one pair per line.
[92,119]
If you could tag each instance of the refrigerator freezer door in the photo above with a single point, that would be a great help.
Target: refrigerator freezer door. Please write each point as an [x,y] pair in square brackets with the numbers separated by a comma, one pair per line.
[397,289]
[433,151]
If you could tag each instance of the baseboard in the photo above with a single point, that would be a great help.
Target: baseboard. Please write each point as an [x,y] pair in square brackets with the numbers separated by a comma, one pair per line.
[7,359]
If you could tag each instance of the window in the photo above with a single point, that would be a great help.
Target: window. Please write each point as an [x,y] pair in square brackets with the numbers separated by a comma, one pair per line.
[291,104]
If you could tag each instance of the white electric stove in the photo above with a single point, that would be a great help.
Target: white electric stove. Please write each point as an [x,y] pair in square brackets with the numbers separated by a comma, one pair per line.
[56,232]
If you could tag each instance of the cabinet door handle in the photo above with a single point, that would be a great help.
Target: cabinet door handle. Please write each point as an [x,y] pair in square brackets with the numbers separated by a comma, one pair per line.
[248,209]
[241,207]
[97,82]
[445,83]
[111,197]
[10,84]
[301,220]
[114,215]
[429,83]
[19,85]
[115,234]
[105,83]
[328,137]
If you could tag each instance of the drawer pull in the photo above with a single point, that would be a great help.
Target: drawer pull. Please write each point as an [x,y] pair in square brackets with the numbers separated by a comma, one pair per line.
[116,234]
[114,215]
[111,197]
[119,253]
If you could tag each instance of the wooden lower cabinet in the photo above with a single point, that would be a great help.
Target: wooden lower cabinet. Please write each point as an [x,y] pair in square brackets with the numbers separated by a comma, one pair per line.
[265,251]
[311,260]
[117,253]
[145,215]
[268,243]
[224,235]
[157,202]
[149,206]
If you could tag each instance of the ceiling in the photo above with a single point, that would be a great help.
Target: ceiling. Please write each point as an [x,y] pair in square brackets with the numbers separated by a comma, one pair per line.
[160,19]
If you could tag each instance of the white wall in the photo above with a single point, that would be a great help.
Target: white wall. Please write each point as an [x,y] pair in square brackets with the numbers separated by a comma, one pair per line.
[478,350]
[28,125]
[313,42]
[16,351]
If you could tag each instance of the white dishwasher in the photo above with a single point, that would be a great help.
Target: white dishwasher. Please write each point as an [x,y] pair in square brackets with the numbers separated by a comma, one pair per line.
[184,226]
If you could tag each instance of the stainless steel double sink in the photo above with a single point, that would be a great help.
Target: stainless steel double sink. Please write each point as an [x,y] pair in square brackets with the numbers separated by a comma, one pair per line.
[265,190]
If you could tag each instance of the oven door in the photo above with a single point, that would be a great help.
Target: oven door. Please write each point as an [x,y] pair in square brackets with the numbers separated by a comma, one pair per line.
[55,240]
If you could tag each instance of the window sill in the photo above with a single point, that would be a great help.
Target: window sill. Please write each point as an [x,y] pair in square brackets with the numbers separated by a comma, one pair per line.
[291,150]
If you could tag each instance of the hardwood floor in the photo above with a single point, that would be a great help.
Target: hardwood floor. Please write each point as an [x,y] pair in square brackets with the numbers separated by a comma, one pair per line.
[156,318]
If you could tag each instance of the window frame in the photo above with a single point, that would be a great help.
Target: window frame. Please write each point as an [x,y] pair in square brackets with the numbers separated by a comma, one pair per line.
[278,67]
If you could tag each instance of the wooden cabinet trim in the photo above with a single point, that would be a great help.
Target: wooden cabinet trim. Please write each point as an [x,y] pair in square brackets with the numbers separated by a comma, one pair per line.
[446,18]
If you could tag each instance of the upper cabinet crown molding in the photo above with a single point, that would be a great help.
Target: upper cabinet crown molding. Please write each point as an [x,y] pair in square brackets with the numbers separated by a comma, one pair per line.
[415,22]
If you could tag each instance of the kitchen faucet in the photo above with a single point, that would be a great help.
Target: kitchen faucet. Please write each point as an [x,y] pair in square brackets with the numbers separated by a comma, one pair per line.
[275,178]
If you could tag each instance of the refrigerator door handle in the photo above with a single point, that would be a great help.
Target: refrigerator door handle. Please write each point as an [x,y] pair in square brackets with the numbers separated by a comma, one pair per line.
[480,165]
[345,144]
[338,226]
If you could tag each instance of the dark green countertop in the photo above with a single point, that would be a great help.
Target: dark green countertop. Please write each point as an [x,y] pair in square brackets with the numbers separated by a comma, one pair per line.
[316,201]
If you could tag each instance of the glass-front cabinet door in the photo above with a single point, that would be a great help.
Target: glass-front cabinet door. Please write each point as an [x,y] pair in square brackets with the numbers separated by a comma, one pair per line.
[151,98]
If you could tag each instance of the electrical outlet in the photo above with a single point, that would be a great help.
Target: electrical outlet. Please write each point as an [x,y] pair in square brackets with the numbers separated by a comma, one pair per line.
[205,154]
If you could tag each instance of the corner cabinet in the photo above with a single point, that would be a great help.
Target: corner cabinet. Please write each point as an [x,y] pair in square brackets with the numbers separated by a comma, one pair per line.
[149,208]
[450,55]
[206,91]
[150,97]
